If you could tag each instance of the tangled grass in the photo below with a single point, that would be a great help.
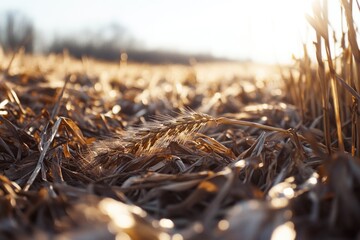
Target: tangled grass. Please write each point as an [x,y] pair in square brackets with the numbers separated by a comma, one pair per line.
[91,150]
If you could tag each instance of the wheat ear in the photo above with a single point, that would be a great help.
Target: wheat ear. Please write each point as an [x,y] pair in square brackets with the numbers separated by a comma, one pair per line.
[158,134]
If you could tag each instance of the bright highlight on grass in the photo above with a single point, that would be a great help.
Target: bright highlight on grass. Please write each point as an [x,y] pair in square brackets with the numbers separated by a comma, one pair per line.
[285,231]
[118,212]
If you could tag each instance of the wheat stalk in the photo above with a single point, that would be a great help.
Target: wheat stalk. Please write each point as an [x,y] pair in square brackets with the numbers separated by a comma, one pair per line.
[154,136]
[147,139]
[158,134]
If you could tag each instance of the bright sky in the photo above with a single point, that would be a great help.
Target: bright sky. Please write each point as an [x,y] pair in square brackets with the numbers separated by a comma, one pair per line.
[261,30]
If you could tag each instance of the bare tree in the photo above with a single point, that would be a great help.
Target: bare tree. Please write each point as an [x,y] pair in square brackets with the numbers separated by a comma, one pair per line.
[19,32]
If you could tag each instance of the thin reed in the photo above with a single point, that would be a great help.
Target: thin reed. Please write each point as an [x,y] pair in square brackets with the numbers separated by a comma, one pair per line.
[335,75]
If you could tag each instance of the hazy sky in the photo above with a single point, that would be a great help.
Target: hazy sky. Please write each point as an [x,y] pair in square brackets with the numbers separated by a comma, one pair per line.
[262,30]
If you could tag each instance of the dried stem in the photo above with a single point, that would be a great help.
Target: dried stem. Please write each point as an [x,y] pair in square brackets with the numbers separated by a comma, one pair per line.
[152,137]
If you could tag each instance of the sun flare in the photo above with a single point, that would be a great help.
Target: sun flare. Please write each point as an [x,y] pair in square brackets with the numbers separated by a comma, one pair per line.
[280,28]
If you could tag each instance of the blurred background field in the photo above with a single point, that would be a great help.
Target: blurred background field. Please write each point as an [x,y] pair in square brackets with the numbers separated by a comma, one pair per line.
[260,31]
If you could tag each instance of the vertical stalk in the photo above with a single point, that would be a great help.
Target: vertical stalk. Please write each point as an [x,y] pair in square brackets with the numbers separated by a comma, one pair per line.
[347,5]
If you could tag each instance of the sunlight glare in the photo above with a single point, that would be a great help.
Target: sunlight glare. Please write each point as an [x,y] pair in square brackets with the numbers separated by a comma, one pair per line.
[164,236]
[288,192]
[116,109]
[177,236]
[223,225]
[279,28]
[313,180]
[240,164]
[285,231]
[281,193]
[3,112]
[4,103]
[166,223]
[118,212]
[122,236]
[198,227]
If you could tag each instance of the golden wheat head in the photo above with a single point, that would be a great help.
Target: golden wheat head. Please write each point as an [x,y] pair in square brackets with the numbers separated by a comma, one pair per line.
[158,134]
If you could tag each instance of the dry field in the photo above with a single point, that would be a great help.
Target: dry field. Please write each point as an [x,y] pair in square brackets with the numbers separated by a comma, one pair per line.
[94,150]
[209,150]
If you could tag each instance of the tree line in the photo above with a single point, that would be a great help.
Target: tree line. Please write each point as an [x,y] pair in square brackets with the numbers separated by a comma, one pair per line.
[18,31]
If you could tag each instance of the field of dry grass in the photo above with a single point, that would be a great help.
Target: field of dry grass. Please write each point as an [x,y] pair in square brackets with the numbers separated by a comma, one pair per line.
[95,150]
[80,139]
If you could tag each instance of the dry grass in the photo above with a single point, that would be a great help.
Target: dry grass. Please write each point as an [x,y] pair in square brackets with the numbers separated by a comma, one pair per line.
[335,77]
[76,159]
